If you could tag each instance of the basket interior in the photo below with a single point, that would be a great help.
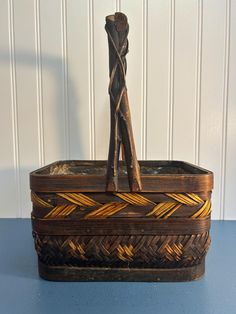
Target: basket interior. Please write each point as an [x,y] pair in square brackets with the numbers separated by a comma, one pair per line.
[87,168]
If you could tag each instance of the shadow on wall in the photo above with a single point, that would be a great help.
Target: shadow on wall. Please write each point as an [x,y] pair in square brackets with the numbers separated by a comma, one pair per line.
[56,123]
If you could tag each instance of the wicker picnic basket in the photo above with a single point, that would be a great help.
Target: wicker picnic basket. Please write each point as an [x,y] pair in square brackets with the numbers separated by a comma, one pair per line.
[121,220]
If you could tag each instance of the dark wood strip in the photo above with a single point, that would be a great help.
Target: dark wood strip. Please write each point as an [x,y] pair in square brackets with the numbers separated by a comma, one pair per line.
[164,183]
[62,273]
[119,226]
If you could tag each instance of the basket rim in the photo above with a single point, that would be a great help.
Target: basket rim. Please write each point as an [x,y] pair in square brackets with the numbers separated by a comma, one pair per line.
[150,163]
[177,183]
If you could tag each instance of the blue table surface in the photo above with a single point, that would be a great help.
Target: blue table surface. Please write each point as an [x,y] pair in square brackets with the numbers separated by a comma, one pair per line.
[22,291]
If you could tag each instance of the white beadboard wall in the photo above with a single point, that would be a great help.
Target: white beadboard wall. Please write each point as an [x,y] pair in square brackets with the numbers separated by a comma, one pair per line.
[54,81]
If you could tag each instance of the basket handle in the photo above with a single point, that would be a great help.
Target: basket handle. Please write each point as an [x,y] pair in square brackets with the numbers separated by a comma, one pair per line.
[117,29]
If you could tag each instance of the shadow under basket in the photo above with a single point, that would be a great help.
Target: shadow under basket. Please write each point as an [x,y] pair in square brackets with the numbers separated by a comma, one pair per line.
[84,233]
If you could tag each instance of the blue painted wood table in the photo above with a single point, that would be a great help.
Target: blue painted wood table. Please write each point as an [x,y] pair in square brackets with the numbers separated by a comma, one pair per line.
[22,291]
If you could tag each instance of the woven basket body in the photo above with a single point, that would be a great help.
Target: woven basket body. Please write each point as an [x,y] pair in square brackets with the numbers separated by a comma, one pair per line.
[82,232]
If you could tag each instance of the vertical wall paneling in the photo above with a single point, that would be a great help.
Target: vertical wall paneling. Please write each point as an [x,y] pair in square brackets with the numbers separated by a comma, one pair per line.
[53,87]
[91,78]
[64,47]
[171,79]
[213,48]
[39,82]
[135,68]
[230,164]
[198,69]
[79,112]
[184,80]
[9,160]
[117,6]
[181,72]
[14,105]
[144,80]
[225,110]
[158,34]
[25,59]
[100,9]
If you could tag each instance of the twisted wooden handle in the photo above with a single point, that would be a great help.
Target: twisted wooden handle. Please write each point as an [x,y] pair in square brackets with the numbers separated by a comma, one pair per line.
[117,29]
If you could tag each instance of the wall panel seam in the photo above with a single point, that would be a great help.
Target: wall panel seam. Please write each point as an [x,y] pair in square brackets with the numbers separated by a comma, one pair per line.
[39,83]
[118,5]
[225,110]
[171,80]
[198,82]
[144,82]
[14,105]
[65,76]
[91,79]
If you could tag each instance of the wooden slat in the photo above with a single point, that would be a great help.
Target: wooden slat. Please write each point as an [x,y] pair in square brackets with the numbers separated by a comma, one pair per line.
[212,78]
[77,28]
[157,78]
[122,227]
[27,98]
[228,189]
[184,80]
[54,104]
[9,157]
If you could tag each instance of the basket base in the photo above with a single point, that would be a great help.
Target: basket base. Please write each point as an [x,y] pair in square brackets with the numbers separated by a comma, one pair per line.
[66,273]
